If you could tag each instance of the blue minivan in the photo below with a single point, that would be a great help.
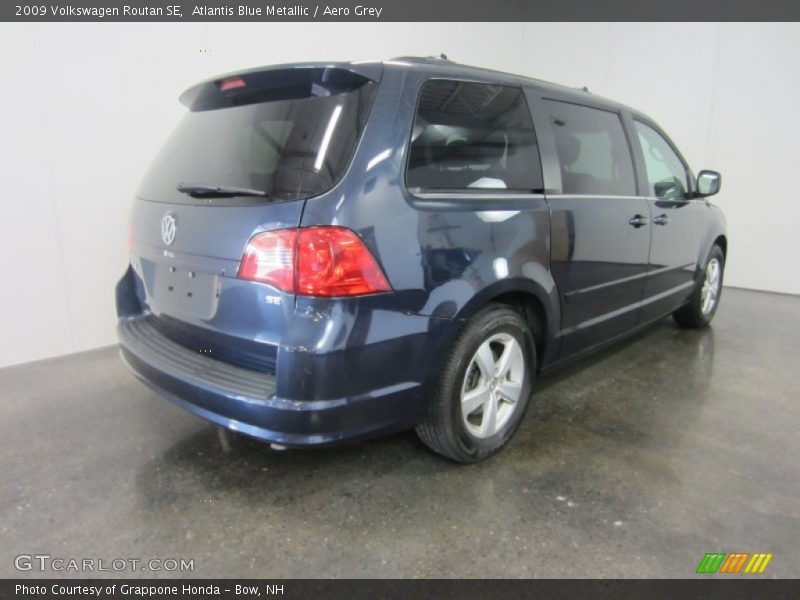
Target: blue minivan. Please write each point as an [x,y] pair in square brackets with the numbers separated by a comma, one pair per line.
[325,252]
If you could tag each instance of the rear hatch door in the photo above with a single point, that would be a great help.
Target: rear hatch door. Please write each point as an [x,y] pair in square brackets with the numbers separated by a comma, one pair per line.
[243,160]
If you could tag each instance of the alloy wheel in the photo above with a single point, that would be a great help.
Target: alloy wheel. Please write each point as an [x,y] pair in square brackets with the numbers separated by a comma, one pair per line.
[711,284]
[492,385]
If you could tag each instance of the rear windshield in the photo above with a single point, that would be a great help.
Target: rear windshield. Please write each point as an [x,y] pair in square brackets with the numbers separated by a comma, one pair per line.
[289,142]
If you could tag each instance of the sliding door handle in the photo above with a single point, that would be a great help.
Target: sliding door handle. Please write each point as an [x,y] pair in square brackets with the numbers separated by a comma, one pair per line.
[638,221]
[661,220]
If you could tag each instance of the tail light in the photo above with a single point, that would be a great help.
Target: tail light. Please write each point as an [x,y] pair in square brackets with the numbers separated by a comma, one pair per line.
[313,261]
[269,258]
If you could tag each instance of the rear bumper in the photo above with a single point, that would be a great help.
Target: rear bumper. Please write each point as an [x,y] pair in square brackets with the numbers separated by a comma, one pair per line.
[248,401]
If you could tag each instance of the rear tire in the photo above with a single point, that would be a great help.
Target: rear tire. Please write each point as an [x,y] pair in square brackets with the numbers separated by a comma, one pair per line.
[702,305]
[483,387]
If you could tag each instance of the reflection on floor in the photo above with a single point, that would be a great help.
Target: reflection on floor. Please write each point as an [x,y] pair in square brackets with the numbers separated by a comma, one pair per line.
[634,462]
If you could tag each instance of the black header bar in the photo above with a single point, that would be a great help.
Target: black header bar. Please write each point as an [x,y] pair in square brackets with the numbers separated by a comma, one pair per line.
[399,10]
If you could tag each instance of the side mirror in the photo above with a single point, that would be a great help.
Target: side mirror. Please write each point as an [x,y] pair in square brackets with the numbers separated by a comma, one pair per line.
[708,183]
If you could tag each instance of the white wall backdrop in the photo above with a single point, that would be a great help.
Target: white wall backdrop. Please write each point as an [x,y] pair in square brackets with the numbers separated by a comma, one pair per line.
[84,107]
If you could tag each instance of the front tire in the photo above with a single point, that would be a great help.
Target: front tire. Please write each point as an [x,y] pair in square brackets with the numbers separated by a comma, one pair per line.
[702,305]
[483,387]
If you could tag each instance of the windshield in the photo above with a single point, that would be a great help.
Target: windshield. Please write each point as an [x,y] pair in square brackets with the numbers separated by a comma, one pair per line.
[286,148]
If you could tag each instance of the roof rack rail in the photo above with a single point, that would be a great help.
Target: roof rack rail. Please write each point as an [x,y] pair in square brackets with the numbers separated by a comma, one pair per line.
[441,58]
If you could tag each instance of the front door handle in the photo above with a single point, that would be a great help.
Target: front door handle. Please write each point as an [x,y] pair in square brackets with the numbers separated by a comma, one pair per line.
[638,221]
[661,220]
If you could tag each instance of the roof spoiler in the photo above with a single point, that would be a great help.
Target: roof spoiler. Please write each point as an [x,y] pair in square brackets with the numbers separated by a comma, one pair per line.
[282,81]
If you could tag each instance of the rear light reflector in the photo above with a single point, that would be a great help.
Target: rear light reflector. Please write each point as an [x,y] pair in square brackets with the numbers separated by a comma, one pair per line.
[313,261]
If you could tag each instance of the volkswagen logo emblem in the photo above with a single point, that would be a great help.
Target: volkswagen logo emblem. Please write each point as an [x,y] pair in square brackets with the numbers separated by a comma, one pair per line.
[168,228]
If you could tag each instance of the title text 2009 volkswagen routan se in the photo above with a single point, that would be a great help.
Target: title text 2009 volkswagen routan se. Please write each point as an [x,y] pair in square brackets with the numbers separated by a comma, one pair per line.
[326,252]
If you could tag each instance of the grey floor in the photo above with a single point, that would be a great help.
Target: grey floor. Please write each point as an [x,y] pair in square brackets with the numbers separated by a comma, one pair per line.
[633,463]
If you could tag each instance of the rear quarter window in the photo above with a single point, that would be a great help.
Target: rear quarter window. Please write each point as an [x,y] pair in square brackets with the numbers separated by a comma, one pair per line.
[473,136]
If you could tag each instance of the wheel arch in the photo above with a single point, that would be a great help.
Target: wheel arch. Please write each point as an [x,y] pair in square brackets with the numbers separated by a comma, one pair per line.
[722,241]
[537,305]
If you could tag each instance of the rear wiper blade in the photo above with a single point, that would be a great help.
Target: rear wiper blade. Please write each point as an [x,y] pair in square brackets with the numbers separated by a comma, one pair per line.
[209,190]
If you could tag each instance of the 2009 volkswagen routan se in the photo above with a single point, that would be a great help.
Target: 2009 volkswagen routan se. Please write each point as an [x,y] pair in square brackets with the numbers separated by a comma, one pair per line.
[326,252]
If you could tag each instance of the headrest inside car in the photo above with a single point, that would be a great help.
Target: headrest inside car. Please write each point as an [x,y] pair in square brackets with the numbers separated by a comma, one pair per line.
[569,148]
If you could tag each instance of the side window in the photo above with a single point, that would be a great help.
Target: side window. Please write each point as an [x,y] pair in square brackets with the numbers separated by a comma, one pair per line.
[592,149]
[473,136]
[666,174]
